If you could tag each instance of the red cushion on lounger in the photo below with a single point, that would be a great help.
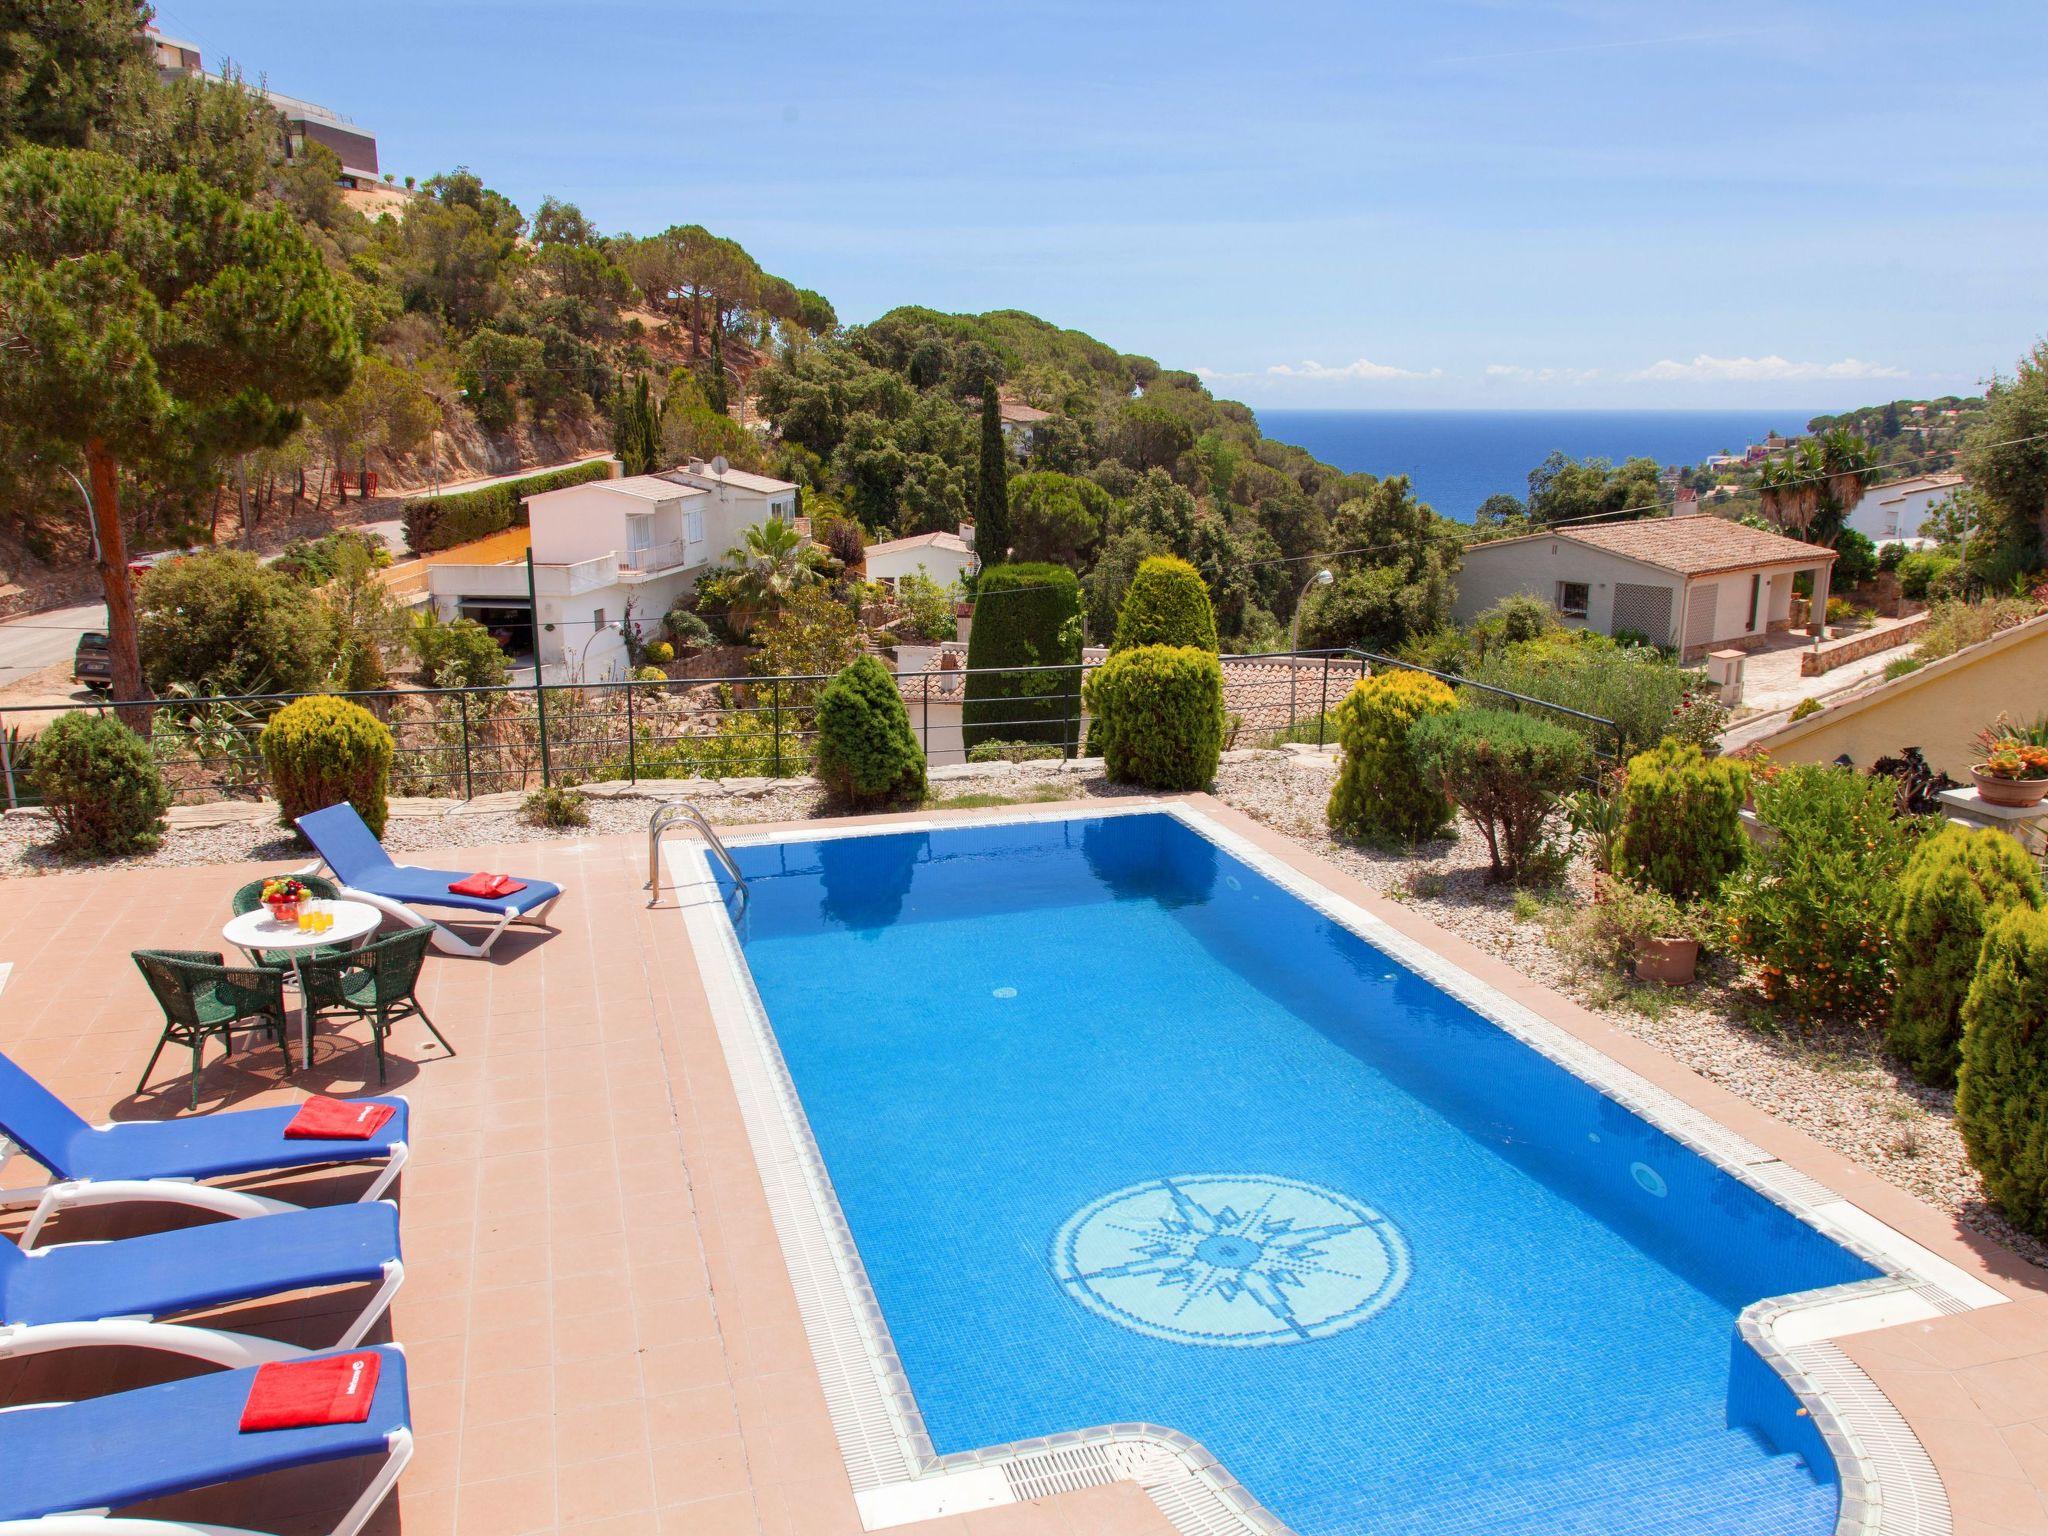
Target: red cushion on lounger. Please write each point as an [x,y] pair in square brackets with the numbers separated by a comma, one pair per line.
[296,1394]
[486,885]
[323,1119]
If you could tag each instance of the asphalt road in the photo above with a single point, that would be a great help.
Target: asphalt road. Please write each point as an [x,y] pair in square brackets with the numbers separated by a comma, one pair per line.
[36,641]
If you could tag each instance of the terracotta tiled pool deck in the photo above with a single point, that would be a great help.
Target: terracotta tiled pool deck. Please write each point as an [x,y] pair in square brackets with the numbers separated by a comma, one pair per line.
[602,1333]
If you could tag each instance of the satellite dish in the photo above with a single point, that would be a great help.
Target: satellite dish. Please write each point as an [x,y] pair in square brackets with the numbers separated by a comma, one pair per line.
[719,466]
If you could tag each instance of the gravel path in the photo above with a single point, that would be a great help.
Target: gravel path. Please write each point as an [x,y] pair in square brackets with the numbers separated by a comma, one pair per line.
[1837,1086]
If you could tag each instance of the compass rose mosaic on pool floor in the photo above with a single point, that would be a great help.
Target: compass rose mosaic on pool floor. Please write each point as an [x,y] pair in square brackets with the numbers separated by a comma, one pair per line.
[1230,1259]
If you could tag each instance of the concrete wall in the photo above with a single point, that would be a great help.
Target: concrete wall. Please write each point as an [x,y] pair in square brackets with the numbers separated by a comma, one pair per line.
[1537,567]
[1939,708]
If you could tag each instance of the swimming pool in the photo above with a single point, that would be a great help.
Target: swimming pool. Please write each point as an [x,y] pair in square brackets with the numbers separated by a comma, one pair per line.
[1123,1131]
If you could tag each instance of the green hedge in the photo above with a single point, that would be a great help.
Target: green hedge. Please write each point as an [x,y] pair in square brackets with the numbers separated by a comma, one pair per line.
[442,522]
[322,751]
[867,754]
[1681,821]
[99,784]
[1380,793]
[1024,616]
[2002,1091]
[1507,772]
[1167,604]
[1158,716]
[1956,884]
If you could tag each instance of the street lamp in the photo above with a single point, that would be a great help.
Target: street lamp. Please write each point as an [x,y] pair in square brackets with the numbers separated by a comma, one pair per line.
[583,654]
[1321,579]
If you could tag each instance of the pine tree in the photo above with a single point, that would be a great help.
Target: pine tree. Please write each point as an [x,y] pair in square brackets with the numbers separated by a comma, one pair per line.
[714,386]
[992,498]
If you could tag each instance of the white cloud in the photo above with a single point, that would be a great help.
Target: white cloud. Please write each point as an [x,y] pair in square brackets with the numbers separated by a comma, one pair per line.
[1515,373]
[1364,368]
[1761,370]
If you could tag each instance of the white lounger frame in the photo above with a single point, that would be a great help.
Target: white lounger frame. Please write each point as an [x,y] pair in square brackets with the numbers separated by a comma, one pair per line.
[445,938]
[60,1194]
[228,1350]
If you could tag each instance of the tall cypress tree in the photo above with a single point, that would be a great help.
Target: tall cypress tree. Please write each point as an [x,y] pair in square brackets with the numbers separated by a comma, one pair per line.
[992,498]
[714,386]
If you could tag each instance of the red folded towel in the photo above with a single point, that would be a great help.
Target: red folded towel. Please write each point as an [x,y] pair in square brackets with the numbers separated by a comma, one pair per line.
[297,1394]
[486,885]
[323,1119]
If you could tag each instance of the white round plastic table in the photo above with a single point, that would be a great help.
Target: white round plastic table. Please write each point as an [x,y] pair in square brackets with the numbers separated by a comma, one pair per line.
[255,931]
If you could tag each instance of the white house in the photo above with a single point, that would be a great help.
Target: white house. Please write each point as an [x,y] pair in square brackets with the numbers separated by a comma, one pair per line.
[599,549]
[1021,424]
[1893,513]
[1690,582]
[943,557]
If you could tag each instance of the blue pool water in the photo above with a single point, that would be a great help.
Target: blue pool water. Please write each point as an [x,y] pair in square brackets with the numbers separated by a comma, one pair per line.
[1125,1132]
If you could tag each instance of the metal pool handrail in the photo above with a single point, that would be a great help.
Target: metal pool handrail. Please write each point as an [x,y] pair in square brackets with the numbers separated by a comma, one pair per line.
[659,822]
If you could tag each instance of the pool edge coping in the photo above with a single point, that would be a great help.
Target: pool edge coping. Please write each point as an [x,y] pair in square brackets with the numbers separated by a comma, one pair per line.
[1876,1453]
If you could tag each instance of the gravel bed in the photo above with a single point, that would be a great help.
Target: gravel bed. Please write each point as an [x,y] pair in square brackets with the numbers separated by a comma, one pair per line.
[1837,1086]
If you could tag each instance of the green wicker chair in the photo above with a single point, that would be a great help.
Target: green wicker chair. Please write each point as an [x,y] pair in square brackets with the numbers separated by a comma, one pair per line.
[201,996]
[377,983]
[250,897]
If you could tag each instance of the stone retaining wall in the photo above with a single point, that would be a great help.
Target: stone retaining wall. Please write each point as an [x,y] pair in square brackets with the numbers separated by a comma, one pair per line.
[1834,653]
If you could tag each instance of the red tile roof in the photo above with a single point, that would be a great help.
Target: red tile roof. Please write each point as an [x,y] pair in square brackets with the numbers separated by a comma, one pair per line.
[1698,545]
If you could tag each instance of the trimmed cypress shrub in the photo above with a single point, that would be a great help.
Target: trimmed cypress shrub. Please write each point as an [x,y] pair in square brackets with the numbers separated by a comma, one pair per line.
[1024,616]
[2002,1089]
[1158,716]
[867,754]
[1956,884]
[323,750]
[442,522]
[100,785]
[1507,772]
[1681,820]
[1167,604]
[1381,793]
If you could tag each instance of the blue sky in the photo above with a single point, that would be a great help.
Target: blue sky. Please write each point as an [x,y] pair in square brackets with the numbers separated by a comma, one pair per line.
[1570,203]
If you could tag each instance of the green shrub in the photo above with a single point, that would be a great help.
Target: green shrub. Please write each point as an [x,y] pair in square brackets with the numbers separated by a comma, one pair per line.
[1921,569]
[1640,690]
[1953,624]
[222,622]
[1158,716]
[1514,620]
[442,522]
[1855,559]
[928,607]
[1507,772]
[1024,616]
[100,785]
[461,654]
[686,629]
[866,752]
[1380,793]
[1901,666]
[660,652]
[1012,752]
[555,806]
[1956,884]
[1681,827]
[322,751]
[2002,1089]
[649,675]
[1811,906]
[1806,707]
[1167,604]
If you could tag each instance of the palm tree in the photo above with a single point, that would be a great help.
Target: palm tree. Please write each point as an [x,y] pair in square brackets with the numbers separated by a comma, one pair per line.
[771,561]
[1811,489]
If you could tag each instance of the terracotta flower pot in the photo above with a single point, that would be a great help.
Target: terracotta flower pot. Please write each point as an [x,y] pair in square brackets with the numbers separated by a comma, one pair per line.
[1674,962]
[1993,790]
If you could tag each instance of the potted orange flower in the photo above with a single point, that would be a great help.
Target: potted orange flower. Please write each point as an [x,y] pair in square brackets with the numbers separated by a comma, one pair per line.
[282,896]
[2012,768]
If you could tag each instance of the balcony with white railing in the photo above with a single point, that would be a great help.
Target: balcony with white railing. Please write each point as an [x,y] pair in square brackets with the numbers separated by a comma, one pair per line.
[653,560]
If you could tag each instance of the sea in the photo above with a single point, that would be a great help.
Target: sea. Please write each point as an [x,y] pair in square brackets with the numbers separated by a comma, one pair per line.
[1457,459]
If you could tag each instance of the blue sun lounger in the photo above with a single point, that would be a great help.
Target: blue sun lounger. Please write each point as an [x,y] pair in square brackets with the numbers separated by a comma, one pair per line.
[162,1160]
[166,1274]
[364,871]
[68,1462]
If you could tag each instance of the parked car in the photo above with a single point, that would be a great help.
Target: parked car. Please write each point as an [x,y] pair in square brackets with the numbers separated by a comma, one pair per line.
[137,564]
[92,664]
